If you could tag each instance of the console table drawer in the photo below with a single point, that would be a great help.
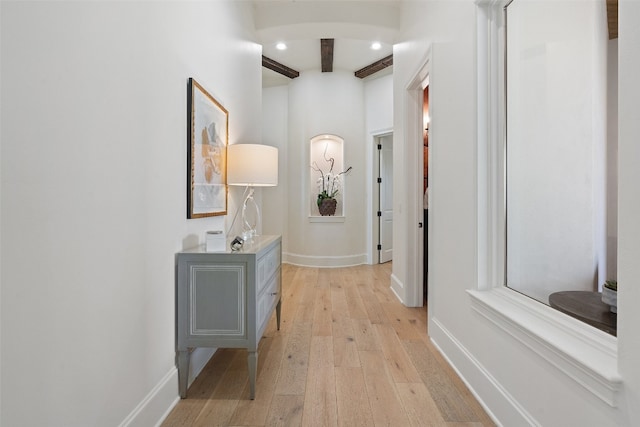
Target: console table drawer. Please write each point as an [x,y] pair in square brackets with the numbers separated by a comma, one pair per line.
[267,265]
[267,301]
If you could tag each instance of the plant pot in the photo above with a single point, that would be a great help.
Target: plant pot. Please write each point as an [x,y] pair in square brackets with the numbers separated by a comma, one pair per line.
[327,207]
[610,297]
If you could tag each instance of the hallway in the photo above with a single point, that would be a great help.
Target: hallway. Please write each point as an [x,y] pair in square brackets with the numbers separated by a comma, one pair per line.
[348,353]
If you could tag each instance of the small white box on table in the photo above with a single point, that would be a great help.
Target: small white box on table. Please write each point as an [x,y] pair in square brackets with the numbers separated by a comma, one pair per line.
[216,241]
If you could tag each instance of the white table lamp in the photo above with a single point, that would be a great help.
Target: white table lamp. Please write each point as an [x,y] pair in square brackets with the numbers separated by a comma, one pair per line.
[252,165]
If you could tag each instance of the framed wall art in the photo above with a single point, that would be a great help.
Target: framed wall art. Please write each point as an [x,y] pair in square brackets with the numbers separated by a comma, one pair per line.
[207,140]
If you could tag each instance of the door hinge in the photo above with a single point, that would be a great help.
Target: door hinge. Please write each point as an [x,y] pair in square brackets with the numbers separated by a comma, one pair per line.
[379,247]
[379,213]
[419,225]
[379,180]
[379,146]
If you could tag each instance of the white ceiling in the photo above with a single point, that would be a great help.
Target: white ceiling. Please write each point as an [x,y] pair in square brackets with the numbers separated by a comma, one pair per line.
[354,25]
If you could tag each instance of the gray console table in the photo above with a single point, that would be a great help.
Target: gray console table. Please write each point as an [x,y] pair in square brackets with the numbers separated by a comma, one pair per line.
[225,300]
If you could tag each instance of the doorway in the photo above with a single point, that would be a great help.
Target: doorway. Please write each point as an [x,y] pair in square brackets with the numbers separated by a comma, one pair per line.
[384,150]
[425,188]
[414,160]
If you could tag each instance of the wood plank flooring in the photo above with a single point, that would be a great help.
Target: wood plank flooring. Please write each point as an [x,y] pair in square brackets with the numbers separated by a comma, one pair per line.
[347,354]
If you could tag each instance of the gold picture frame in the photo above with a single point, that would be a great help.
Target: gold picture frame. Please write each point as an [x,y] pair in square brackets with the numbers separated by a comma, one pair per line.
[207,142]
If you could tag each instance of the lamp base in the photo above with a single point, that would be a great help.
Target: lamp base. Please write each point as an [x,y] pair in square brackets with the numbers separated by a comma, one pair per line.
[251,218]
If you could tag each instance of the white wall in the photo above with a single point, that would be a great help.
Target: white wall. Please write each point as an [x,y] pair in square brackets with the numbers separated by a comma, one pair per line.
[94,196]
[441,32]
[376,109]
[331,103]
[275,113]
[629,207]
[517,385]
[378,101]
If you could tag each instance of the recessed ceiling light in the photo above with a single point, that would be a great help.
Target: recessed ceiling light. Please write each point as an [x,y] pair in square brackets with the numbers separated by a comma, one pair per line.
[376,45]
[281,46]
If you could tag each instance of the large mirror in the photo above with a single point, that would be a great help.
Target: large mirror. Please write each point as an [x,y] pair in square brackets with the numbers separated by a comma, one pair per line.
[561,168]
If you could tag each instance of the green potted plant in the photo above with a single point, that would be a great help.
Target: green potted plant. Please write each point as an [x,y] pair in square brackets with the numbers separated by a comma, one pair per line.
[610,294]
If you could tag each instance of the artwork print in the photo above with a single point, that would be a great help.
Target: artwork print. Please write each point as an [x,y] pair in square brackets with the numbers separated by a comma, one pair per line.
[207,154]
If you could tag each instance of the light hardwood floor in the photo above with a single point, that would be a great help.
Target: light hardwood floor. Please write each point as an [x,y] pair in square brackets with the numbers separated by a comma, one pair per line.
[347,354]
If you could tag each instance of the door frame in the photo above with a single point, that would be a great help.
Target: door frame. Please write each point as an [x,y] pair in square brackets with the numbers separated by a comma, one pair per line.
[414,292]
[375,198]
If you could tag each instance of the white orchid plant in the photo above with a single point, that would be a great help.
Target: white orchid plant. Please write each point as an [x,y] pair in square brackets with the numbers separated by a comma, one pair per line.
[329,183]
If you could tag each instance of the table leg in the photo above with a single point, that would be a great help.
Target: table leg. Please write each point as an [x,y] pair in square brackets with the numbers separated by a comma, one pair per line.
[278,310]
[183,372]
[252,359]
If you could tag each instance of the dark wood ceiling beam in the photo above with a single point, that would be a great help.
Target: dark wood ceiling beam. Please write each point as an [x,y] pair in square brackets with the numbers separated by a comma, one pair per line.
[612,18]
[326,53]
[375,67]
[279,68]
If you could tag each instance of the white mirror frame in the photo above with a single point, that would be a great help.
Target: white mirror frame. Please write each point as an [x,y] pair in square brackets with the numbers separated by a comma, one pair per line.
[585,354]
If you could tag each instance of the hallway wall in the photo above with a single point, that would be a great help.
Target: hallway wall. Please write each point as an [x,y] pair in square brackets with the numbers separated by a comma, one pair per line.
[517,385]
[275,132]
[93,196]
[315,103]
[331,103]
[378,99]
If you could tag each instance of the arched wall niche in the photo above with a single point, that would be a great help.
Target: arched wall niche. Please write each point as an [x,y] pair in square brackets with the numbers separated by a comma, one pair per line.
[326,180]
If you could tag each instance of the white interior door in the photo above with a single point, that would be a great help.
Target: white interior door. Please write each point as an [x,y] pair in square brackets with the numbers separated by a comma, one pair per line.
[385,209]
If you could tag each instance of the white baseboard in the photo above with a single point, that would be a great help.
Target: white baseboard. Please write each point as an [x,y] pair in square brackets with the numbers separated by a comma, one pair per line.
[479,381]
[157,405]
[397,288]
[324,261]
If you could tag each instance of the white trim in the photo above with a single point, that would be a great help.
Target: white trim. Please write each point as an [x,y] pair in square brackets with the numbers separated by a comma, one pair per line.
[471,371]
[374,199]
[324,261]
[397,287]
[381,132]
[414,293]
[583,353]
[326,218]
[491,138]
[161,400]
[156,405]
